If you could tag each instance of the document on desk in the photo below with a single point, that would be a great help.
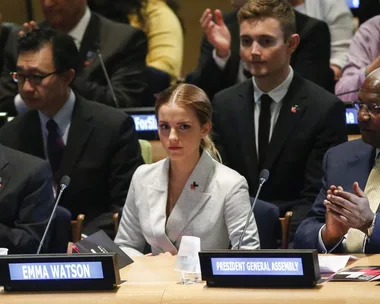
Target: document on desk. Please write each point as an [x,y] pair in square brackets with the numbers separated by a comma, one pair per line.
[333,263]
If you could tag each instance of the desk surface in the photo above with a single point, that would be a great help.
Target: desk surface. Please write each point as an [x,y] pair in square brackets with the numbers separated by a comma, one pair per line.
[152,280]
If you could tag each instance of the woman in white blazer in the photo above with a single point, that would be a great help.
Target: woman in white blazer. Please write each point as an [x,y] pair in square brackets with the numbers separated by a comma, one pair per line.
[190,192]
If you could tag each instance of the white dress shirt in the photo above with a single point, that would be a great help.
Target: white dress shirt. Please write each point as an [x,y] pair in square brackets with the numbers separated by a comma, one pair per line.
[63,120]
[277,94]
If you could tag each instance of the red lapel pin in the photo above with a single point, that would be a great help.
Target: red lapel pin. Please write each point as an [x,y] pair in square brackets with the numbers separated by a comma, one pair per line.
[193,186]
[294,109]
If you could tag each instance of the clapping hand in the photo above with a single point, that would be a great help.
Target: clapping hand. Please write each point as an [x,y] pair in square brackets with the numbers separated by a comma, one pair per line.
[350,209]
[216,32]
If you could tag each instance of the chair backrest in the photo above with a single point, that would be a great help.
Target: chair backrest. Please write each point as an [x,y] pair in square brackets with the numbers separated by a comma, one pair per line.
[268,224]
[146,150]
[77,228]
[116,220]
[285,229]
[60,231]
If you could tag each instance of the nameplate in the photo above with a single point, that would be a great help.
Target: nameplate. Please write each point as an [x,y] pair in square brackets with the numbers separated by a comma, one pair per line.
[57,272]
[261,268]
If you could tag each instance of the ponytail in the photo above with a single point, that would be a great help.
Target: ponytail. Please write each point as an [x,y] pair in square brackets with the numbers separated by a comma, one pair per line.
[208,145]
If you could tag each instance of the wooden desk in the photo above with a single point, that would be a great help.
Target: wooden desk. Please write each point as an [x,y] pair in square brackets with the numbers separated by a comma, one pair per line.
[153,280]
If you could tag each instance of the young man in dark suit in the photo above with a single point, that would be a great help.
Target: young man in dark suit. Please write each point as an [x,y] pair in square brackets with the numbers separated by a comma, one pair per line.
[95,145]
[220,66]
[123,49]
[345,215]
[26,200]
[277,120]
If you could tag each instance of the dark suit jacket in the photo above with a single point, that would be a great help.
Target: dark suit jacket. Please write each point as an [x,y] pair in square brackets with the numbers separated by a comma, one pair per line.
[268,224]
[343,165]
[311,59]
[123,50]
[26,200]
[101,155]
[297,146]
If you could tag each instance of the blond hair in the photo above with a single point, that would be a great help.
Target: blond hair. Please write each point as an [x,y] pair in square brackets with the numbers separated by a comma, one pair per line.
[188,95]
[280,10]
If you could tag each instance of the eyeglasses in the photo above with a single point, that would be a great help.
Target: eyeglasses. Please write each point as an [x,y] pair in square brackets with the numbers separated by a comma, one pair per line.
[373,109]
[33,78]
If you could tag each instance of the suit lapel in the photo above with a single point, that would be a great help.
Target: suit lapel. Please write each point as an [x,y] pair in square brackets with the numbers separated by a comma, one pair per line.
[293,107]
[157,199]
[90,44]
[362,164]
[192,198]
[245,115]
[4,174]
[31,135]
[80,131]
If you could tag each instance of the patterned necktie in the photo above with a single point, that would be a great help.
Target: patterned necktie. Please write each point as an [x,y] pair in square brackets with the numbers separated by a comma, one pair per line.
[55,145]
[355,237]
[264,127]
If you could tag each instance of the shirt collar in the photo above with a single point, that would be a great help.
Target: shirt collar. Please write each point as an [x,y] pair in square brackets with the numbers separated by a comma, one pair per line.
[278,93]
[78,31]
[62,117]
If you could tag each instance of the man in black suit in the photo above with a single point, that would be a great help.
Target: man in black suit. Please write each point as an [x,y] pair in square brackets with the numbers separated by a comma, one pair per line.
[94,144]
[26,200]
[277,120]
[220,66]
[122,48]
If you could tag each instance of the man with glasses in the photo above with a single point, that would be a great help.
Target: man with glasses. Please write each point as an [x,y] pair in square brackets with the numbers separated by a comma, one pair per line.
[111,67]
[344,217]
[94,144]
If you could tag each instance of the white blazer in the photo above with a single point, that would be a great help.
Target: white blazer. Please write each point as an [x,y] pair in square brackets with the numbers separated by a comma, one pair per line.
[213,206]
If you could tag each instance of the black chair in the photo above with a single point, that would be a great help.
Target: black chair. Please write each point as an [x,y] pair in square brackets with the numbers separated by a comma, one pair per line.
[157,82]
[61,231]
[268,224]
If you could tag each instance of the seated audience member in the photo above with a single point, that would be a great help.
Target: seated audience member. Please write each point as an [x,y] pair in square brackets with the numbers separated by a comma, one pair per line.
[339,18]
[122,48]
[190,192]
[344,215]
[363,58]
[220,65]
[26,200]
[94,144]
[160,23]
[277,120]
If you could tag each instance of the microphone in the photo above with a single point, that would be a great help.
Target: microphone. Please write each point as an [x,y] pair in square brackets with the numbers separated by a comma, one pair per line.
[264,175]
[116,102]
[65,181]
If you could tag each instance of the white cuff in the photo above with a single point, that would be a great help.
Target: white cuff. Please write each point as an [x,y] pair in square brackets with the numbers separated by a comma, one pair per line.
[322,245]
[220,62]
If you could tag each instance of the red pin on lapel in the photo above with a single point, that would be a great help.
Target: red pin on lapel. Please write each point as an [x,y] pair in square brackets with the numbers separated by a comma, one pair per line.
[193,186]
[294,109]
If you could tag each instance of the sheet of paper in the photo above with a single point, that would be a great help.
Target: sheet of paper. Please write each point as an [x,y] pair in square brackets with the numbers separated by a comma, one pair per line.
[333,263]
